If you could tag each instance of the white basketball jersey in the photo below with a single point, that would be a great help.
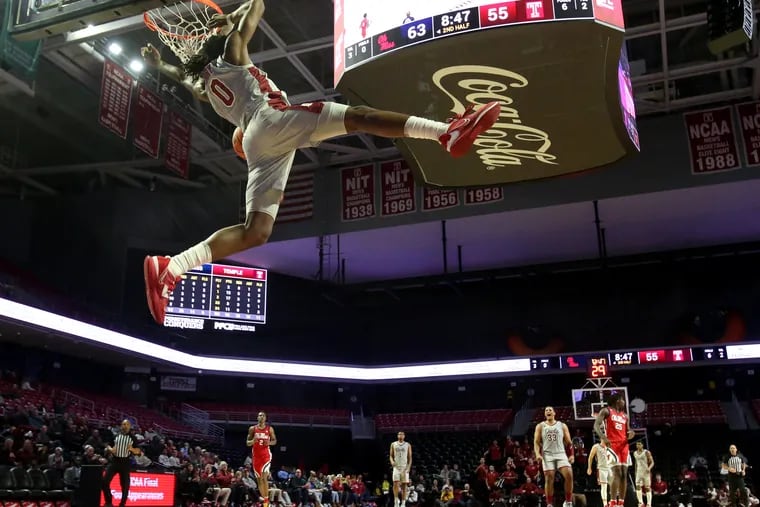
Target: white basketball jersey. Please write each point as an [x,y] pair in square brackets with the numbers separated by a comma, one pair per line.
[236,92]
[400,454]
[642,466]
[553,438]
[602,462]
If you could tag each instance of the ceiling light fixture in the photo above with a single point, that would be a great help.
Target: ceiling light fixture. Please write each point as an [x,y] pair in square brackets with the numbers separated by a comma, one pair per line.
[136,66]
[114,48]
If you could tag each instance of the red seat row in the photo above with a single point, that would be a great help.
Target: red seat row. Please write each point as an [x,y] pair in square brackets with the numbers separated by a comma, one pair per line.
[674,412]
[473,419]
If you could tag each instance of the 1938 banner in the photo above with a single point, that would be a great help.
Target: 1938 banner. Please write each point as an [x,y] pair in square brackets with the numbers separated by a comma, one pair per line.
[358,191]
[712,140]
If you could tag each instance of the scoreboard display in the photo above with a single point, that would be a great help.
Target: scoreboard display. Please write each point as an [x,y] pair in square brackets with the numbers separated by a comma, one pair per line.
[370,28]
[219,297]
[600,365]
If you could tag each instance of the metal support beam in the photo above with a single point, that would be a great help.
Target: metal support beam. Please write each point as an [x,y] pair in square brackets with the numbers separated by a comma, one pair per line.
[664,50]
[26,180]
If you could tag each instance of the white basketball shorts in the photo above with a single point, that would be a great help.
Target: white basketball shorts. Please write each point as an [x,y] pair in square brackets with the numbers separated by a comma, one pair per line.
[555,461]
[643,479]
[270,142]
[400,475]
[603,474]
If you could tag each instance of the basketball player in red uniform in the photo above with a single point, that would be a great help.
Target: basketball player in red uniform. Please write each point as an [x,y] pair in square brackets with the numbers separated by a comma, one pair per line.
[611,426]
[260,438]
[222,73]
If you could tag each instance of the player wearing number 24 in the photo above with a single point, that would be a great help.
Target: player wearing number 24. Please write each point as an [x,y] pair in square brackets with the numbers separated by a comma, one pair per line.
[221,73]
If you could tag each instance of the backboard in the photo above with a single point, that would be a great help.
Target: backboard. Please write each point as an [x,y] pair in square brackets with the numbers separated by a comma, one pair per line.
[589,401]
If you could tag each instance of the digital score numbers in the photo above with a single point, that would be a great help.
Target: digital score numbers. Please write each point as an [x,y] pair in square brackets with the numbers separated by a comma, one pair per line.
[598,367]
[487,15]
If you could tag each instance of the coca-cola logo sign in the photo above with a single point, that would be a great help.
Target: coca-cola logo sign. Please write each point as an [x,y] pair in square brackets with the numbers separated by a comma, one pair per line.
[510,142]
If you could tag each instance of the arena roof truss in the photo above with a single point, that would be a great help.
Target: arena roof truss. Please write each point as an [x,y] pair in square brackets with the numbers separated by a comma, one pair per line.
[671,68]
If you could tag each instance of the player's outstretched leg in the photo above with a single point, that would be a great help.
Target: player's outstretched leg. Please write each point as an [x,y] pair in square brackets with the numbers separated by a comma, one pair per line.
[457,136]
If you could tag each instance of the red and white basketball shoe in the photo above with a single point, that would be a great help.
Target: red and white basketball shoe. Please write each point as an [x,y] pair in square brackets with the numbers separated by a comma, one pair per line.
[466,127]
[158,285]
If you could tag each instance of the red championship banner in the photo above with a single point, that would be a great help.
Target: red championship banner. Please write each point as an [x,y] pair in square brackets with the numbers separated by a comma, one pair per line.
[483,195]
[712,141]
[436,198]
[178,144]
[148,489]
[749,121]
[115,98]
[398,190]
[358,191]
[147,120]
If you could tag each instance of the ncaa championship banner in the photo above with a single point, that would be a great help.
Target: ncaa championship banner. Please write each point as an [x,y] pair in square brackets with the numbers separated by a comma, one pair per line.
[173,383]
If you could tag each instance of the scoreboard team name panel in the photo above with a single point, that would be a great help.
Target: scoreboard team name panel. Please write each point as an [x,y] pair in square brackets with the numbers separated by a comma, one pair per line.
[221,293]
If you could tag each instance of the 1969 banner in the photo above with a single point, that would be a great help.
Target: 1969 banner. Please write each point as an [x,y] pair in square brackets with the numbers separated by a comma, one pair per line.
[358,191]
[712,140]
[398,195]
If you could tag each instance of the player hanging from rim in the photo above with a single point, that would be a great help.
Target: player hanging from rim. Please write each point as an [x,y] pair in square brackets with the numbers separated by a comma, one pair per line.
[222,74]
[611,426]
[261,438]
[401,463]
[599,451]
[644,464]
[550,441]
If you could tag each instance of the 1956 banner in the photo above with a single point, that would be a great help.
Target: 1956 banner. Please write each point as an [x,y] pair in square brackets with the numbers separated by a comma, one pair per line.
[115,99]
[749,122]
[147,120]
[178,144]
[712,140]
[358,191]
[439,198]
[398,190]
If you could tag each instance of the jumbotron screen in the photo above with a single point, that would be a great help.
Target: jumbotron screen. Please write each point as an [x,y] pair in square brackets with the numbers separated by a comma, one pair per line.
[217,297]
[365,29]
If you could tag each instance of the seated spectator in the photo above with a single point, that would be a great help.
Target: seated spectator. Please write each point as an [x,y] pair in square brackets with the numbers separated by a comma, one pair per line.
[752,499]
[250,484]
[239,491]
[91,458]
[55,460]
[464,497]
[508,479]
[7,456]
[447,496]
[659,487]
[493,454]
[72,474]
[224,481]
[297,488]
[711,495]
[529,492]
[27,455]
[283,475]
[96,441]
[142,461]
[190,483]
[444,473]
[531,470]
[43,438]
[455,476]
[509,448]
[314,488]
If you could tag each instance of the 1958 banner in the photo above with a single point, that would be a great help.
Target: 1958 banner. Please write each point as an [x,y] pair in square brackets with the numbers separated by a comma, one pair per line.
[712,140]
[115,98]
[358,191]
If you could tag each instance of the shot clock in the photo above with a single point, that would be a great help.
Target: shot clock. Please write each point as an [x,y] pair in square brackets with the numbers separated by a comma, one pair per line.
[598,367]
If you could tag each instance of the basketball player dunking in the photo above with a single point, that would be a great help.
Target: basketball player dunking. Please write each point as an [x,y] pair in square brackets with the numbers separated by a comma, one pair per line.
[273,129]
[600,452]
[644,464]
[260,438]
[401,462]
[611,426]
[550,441]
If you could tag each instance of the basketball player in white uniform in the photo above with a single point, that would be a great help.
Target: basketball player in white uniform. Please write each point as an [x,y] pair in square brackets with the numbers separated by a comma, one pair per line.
[600,452]
[222,74]
[550,441]
[401,463]
[644,465]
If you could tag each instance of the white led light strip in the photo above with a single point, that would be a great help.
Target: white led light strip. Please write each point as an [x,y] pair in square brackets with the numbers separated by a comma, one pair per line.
[129,344]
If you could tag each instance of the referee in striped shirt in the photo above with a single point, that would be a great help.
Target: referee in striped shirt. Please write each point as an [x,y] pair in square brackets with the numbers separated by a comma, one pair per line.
[736,466]
[123,448]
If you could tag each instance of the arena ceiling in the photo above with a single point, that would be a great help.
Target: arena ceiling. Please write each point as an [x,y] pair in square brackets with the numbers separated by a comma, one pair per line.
[56,146]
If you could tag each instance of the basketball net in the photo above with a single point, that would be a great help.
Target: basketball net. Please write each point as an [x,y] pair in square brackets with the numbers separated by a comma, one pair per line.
[183,27]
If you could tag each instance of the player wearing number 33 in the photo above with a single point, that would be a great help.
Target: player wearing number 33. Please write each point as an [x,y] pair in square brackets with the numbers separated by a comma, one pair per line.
[260,438]
[551,441]
[221,73]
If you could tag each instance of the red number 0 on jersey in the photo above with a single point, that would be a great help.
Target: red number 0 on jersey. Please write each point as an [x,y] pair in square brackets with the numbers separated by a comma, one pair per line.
[222,92]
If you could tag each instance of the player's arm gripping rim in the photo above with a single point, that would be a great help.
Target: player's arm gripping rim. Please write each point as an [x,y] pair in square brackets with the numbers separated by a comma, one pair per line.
[249,441]
[153,59]
[599,423]
[568,443]
[538,442]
